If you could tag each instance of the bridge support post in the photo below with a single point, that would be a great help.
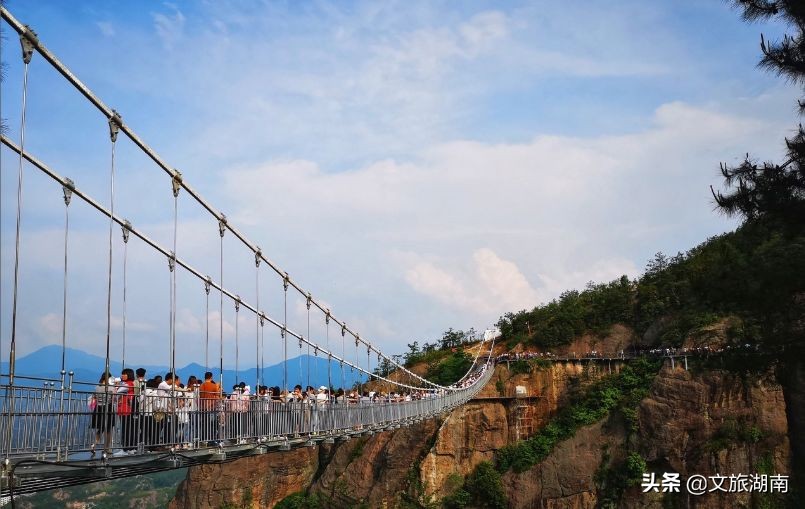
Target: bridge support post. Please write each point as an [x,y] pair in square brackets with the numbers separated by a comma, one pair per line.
[7,480]
[672,363]
[686,362]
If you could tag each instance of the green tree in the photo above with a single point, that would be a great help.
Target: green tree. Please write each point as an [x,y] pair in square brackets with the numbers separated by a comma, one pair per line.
[773,190]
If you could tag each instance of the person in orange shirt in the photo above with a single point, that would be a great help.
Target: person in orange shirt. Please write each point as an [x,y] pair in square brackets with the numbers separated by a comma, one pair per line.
[209,396]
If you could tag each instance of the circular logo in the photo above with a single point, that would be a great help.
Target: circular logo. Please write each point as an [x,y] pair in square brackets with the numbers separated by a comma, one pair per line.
[697,484]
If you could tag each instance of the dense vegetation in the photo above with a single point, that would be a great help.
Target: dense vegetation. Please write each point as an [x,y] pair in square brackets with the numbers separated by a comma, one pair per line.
[145,491]
[451,369]
[756,273]
[431,354]
[482,488]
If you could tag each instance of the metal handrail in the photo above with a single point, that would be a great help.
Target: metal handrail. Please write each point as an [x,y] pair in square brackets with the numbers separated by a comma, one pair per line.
[59,423]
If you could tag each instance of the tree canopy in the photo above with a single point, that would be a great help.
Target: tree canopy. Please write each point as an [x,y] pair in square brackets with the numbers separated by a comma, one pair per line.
[773,191]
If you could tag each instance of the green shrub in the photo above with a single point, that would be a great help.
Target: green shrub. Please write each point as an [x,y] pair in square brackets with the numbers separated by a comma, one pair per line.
[635,468]
[449,370]
[732,432]
[457,500]
[519,367]
[485,486]
[482,488]
[356,451]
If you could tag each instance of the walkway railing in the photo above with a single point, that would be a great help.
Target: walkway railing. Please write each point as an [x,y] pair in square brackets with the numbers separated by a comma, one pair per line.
[49,423]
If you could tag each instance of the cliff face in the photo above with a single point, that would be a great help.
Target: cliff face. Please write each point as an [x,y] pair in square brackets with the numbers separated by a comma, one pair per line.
[375,470]
[690,423]
[566,478]
[474,432]
[257,481]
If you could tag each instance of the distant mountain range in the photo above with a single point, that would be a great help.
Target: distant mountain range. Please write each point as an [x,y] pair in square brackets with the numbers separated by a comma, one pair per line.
[87,368]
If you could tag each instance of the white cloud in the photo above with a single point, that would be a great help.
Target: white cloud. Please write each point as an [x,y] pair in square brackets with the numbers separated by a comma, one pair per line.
[50,325]
[537,218]
[169,27]
[187,322]
[491,285]
[447,289]
[502,282]
[131,326]
[106,28]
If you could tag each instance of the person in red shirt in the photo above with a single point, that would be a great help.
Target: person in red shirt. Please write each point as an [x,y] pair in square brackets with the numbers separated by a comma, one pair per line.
[125,407]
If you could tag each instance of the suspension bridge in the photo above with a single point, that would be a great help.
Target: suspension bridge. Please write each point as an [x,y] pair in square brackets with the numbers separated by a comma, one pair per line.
[62,431]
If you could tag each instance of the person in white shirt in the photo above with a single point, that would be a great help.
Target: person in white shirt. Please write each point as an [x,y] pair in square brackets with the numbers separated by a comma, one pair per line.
[169,393]
[153,413]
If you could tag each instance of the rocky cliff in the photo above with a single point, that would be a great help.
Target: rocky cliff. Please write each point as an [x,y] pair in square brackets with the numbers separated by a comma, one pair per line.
[703,422]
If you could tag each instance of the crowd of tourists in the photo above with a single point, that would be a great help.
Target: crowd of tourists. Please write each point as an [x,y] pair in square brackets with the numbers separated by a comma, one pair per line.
[622,354]
[137,414]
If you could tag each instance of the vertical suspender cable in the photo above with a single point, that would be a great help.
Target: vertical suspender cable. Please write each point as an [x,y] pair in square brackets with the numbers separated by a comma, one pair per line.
[358,377]
[285,333]
[176,186]
[126,228]
[207,284]
[308,338]
[237,351]
[27,53]
[329,353]
[261,363]
[343,356]
[67,189]
[221,231]
[114,127]
[262,348]
[257,318]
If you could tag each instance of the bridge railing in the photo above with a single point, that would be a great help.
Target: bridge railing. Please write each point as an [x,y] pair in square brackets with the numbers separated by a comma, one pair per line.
[60,424]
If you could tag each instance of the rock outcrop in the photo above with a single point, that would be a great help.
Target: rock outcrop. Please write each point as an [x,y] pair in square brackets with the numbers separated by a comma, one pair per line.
[375,470]
[253,482]
[687,424]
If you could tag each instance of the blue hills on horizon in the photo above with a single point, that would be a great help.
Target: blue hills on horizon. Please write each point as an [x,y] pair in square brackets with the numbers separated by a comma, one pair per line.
[45,363]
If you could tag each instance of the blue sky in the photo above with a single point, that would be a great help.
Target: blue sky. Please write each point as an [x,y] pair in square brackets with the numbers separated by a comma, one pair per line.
[417,165]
